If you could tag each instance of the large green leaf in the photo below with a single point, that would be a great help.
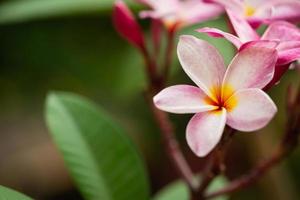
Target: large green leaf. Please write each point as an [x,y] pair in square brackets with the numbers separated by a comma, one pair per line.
[102,160]
[179,190]
[9,194]
[24,10]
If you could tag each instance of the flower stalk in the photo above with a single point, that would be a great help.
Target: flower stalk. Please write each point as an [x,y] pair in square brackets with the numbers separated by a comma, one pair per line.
[169,52]
[287,145]
[172,147]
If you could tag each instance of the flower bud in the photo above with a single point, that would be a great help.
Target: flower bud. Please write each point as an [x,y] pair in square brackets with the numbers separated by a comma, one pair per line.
[127,26]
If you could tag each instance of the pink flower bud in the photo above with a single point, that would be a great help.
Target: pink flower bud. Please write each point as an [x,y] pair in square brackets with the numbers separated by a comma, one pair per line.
[126,25]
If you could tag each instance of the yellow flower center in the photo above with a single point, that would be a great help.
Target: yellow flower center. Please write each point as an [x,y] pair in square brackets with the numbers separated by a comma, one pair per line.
[172,22]
[249,11]
[222,98]
[169,22]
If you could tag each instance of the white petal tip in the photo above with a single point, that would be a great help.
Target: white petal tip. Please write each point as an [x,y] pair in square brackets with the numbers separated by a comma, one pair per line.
[156,100]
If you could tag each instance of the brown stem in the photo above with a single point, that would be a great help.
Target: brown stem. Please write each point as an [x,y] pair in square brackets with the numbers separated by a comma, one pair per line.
[288,143]
[250,178]
[208,173]
[156,30]
[169,52]
[151,69]
[215,165]
[172,147]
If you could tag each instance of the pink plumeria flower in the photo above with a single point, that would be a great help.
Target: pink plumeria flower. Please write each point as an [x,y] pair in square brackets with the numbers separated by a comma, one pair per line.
[178,13]
[287,34]
[262,11]
[231,96]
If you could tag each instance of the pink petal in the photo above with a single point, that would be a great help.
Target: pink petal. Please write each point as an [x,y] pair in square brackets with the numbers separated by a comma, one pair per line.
[286,10]
[287,45]
[260,43]
[149,14]
[288,52]
[181,13]
[127,26]
[288,56]
[282,31]
[262,13]
[205,130]
[254,3]
[195,11]
[182,99]
[214,32]
[160,5]
[253,67]
[255,22]
[242,28]
[275,10]
[202,62]
[254,109]
[160,9]
[233,5]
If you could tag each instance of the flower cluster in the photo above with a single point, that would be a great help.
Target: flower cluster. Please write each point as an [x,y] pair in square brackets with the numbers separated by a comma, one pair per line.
[177,13]
[173,14]
[235,95]
[257,12]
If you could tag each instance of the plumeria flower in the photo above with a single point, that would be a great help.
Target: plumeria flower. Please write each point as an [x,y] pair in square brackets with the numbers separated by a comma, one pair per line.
[262,11]
[231,96]
[178,13]
[287,34]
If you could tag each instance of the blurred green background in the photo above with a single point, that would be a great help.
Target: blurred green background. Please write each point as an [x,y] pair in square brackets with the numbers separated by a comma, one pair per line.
[70,45]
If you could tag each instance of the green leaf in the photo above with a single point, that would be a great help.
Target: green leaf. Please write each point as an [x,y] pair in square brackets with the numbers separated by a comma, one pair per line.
[179,190]
[9,194]
[174,191]
[24,10]
[101,159]
[218,183]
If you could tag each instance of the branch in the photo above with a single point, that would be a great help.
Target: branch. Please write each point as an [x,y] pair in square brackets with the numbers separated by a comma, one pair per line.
[172,147]
[151,69]
[249,179]
[169,52]
[287,145]
[215,164]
